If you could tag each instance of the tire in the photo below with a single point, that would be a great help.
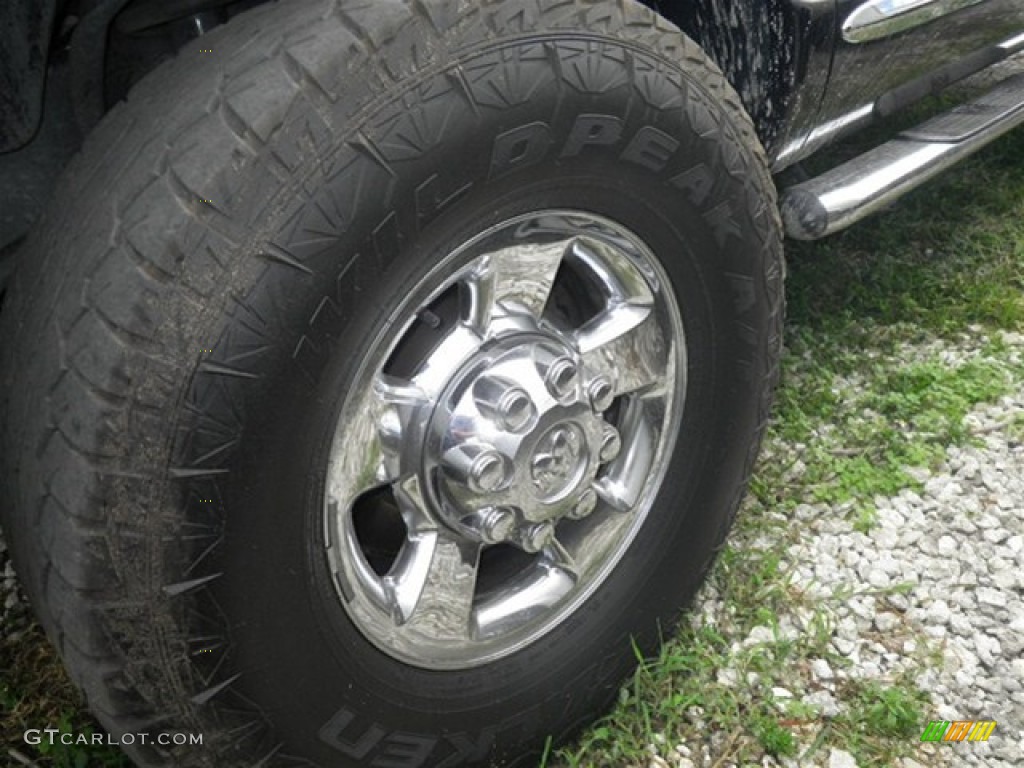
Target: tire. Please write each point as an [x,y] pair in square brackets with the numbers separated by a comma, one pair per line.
[229,342]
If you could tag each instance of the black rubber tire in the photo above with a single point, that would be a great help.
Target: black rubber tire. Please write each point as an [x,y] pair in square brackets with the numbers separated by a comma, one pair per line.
[186,316]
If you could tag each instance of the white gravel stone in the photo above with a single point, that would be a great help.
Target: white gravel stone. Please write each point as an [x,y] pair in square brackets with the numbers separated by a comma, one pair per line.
[961,625]
[839,758]
[991,597]
[848,629]
[844,647]
[759,635]
[898,601]
[824,702]
[863,608]
[947,546]
[939,612]
[1007,580]
[878,578]
[886,621]
[728,677]
[885,538]
[995,535]
[822,670]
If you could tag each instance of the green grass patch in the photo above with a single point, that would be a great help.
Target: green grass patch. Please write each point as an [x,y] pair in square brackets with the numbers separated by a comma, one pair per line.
[878,717]
[35,693]
[948,257]
[774,738]
[856,437]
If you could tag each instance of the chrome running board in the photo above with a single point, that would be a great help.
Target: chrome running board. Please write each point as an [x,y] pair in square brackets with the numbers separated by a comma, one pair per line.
[846,194]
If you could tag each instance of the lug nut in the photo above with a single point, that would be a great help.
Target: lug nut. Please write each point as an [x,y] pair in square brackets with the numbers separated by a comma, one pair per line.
[585,506]
[601,393]
[611,444]
[489,473]
[502,401]
[515,410]
[561,378]
[496,524]
[389,428]
[538,536]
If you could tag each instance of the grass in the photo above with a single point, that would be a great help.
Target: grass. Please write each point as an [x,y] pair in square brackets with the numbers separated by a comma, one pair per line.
[35,693]
[854,422]
[863,432]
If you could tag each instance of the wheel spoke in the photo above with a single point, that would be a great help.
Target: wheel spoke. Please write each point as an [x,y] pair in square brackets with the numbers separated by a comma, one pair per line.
[433,584]
[373,439]
[514,279]
[623,482]
[618,277]
[616,494]
[626,345]
[557,556]
[413,506]
[461,342]
[550,580]
[587,546]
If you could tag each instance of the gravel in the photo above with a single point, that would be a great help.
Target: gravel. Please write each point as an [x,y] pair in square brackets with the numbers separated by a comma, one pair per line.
[958,545]
[839,758]
[14,612]
[934,592]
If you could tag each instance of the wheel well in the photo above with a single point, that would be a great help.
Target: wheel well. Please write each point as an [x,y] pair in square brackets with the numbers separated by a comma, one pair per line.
[754,43]
[24,49]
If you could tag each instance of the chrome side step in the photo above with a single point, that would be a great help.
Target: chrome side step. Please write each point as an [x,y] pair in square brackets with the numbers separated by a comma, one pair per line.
[846,194]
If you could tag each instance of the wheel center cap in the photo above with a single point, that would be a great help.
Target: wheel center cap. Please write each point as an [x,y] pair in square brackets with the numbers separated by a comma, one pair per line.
[515,441]
[559,461]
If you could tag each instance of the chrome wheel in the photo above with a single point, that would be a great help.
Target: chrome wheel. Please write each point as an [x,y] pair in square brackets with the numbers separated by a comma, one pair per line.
[504,440]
